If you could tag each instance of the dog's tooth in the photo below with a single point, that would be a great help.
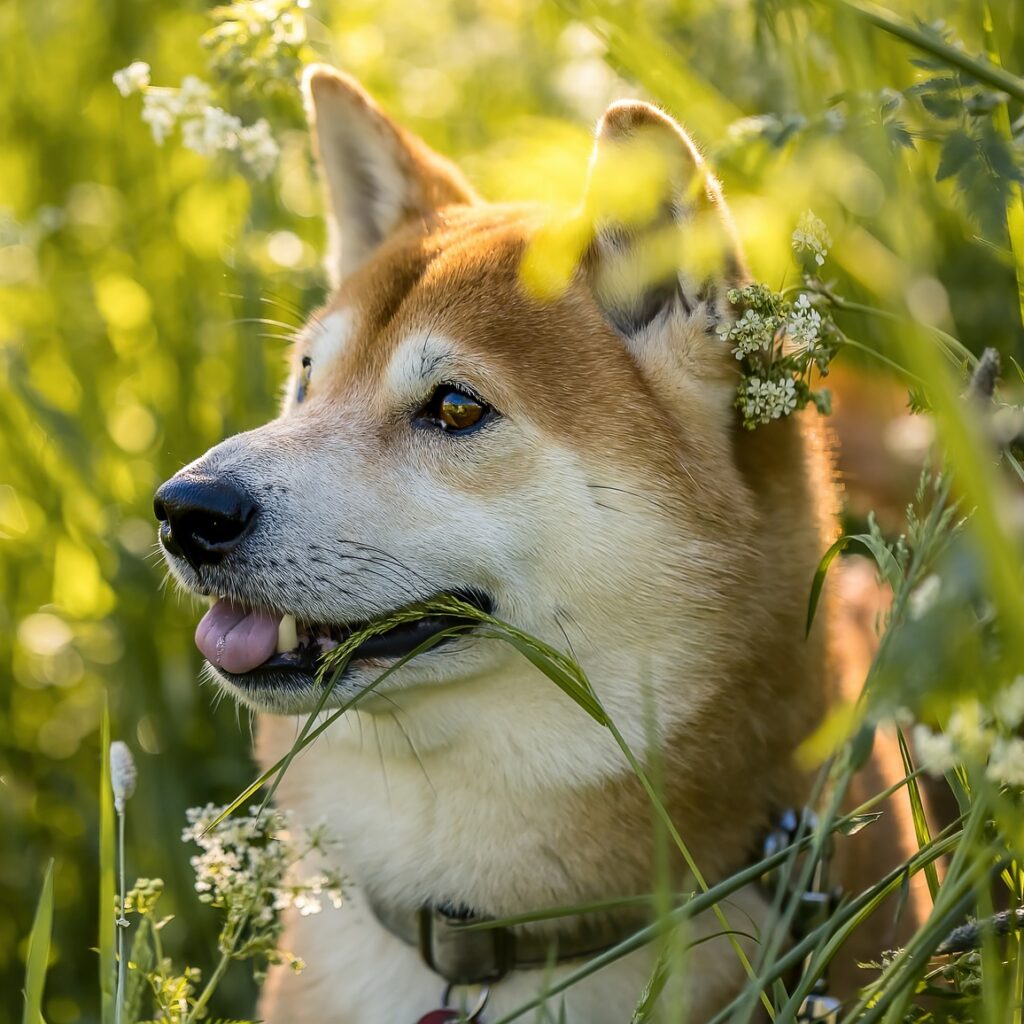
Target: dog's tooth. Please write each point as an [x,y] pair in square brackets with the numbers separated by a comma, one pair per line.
[211,599]
[287,635]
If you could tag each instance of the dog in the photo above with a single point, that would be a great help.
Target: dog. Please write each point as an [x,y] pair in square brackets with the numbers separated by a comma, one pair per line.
[560,449]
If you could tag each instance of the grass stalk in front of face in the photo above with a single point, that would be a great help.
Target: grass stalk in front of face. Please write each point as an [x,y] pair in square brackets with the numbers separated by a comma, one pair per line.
[941,845]
[565,673]
[558,667]
[308,735]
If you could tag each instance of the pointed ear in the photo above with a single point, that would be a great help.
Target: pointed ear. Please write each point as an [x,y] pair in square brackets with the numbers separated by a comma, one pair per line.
[377,175]
[660,234]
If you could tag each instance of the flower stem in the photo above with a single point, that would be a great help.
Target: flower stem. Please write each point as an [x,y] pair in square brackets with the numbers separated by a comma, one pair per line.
[218,973]
[122,921]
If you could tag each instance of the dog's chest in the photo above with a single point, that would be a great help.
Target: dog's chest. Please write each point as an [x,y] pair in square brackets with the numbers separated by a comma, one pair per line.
[411,831]
[436,831]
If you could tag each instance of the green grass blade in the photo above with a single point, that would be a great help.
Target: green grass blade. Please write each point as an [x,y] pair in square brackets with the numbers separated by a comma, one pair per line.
[883,557]
[922,832]
[257,784]
[106,942]
[39,952]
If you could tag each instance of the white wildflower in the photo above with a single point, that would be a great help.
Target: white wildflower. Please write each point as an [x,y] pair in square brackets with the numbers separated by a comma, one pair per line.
[288,30]
[123,775]
[803,325]
[1008,704]
[193,95]
[1006,764]
[811,235]
[750,333]
[248,863]
[258,148]
[934,750]
[924,596]
[754,400]
[745,129]
[903,717]
[160,110]
[212,131]
[968,729]
[767,400]
[784,397]
[133,78]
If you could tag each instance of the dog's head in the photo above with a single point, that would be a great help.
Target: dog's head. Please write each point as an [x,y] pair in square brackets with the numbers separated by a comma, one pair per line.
[555,446]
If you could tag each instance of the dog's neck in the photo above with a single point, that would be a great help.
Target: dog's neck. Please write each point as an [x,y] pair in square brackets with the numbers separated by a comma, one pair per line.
[502,794]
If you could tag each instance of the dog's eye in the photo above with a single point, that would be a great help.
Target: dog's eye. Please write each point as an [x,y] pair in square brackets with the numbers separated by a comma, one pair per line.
[307,372]
[454,410]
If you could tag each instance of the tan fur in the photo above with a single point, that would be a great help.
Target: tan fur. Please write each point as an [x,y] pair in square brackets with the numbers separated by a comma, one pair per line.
[672,550]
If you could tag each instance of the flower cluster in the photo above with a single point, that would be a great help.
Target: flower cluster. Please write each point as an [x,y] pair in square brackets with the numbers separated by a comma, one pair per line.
[767,400]
[246,865]
[248,868]
[779,343]
[133,78]
[811,236]
[256,46]
[205,128]
[979,733]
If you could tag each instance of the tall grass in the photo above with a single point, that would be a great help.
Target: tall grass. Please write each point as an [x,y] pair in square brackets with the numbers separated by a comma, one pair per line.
[123,362]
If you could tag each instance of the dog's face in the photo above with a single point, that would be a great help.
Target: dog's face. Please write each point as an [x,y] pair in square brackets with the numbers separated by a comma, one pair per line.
[565,462]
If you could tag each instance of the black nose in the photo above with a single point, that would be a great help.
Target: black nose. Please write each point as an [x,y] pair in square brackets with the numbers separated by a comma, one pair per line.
[202,519]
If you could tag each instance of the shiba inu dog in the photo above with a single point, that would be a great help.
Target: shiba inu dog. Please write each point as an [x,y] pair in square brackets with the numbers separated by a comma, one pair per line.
[571,462]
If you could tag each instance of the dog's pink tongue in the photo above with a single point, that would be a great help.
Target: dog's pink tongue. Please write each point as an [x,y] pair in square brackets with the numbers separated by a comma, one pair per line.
[236,640]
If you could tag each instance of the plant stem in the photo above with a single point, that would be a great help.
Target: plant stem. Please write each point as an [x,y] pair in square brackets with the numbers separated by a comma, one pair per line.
[122,921]
[954,346]
[663,814]
[218,973]
[861,347]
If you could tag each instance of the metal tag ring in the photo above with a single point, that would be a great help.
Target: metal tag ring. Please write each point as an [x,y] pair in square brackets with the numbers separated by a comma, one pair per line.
[474,1014]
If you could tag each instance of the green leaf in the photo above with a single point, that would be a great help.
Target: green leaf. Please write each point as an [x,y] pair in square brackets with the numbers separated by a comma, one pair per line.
[940,105]
[887,565]
[1018,368]
[922,832]
[654,987]
[958,148]
[852,825]
[39,952]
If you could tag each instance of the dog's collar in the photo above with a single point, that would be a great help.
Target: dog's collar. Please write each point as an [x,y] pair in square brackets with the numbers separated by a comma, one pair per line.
[465,955]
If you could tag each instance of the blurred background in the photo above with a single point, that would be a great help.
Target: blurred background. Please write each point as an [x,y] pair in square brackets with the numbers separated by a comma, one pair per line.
[147,292]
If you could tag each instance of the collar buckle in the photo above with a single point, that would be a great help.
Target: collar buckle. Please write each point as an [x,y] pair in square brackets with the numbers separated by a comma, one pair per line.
[462,956]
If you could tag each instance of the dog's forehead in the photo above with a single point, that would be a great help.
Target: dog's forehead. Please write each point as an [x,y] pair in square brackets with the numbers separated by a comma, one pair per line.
[454,288]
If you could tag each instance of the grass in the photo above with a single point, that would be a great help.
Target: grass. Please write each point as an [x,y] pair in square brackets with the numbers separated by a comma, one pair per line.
[113,283]
[38,957]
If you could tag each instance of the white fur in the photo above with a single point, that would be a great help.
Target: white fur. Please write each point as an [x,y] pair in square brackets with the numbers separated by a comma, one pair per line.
[329,339]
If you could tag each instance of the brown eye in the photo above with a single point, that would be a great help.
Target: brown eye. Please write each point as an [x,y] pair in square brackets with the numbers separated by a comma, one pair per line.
[454,410]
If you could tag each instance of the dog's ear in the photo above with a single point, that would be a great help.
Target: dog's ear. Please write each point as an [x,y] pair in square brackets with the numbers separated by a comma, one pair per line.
[377,174]
[660,237]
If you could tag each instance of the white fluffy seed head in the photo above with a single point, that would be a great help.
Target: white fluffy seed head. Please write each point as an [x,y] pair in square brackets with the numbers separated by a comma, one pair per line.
[122,773]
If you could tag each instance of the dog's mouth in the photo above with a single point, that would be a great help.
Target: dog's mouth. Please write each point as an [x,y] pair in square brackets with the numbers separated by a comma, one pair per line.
[263,648]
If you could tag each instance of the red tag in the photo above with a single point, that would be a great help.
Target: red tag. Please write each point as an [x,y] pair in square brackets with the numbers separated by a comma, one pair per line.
[439,1017]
